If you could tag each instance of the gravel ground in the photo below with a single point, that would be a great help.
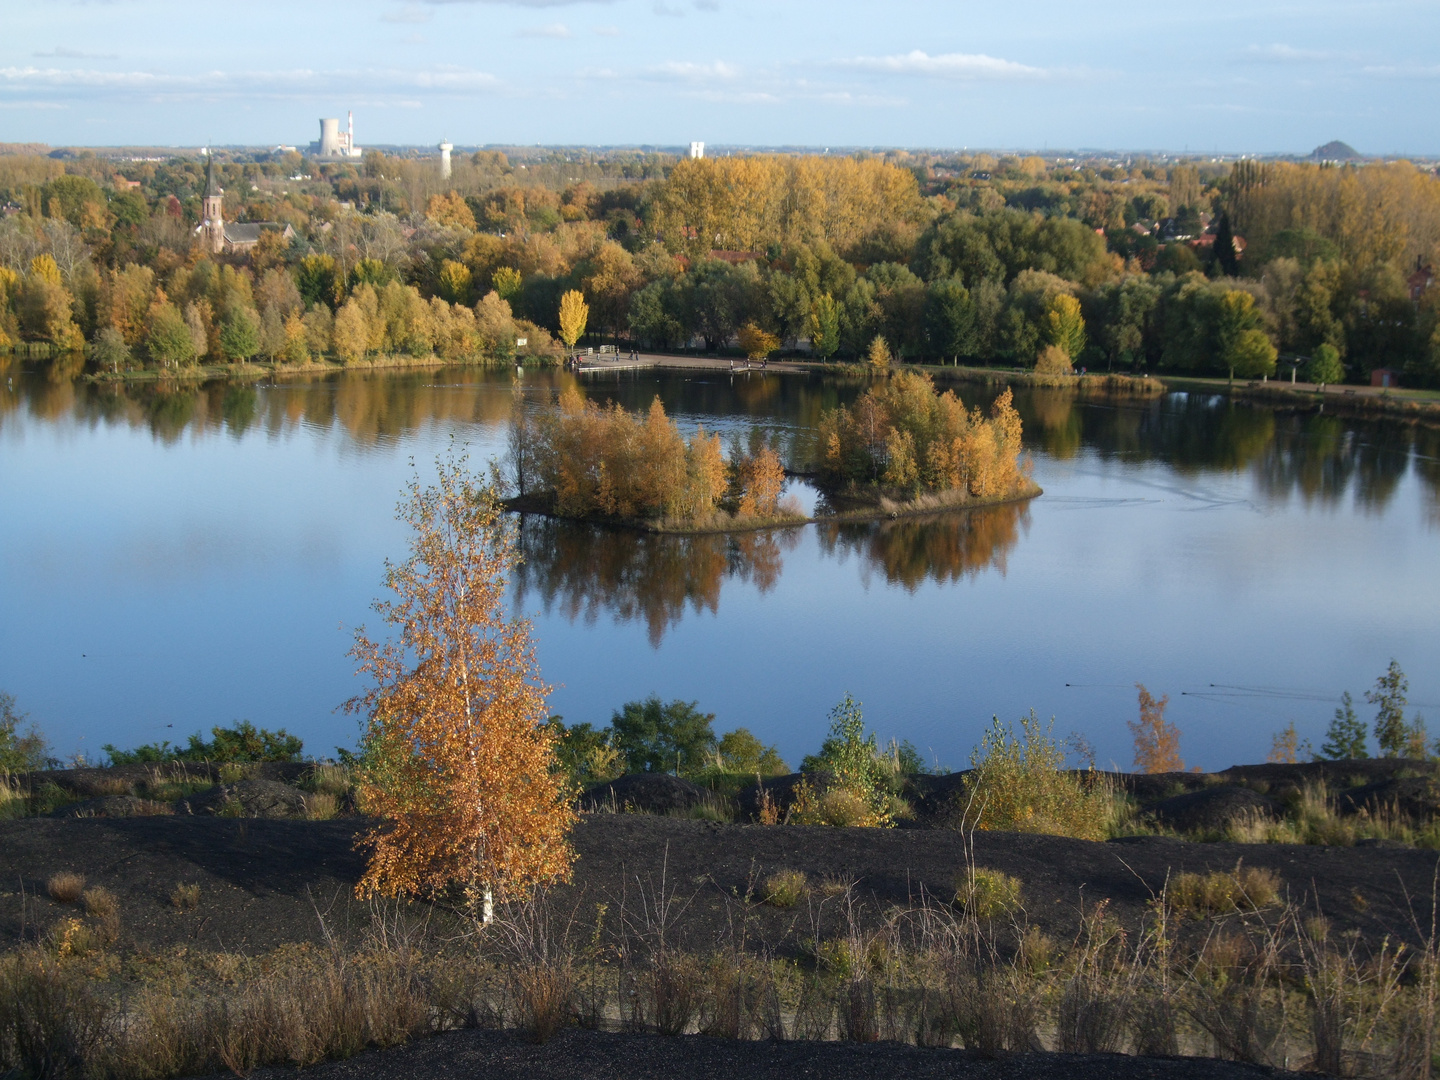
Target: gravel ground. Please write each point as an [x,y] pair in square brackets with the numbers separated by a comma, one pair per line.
[263,883]
[589,1055]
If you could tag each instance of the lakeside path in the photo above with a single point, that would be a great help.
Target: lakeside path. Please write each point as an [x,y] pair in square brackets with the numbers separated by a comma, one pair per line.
[623,362]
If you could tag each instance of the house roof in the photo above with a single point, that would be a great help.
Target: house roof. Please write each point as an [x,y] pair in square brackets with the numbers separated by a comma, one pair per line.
[250,232]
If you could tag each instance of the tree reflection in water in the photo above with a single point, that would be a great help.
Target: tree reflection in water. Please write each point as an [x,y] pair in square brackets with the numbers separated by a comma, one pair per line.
[582,570]
[941,548]
[1317,456]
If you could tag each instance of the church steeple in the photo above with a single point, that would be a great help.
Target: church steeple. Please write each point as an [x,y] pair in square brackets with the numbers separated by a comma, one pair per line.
[212,208]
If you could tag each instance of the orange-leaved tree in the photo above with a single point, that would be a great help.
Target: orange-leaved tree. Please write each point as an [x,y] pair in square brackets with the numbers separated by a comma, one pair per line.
[458,764]
[756,343]
[1157,744]
[762,479]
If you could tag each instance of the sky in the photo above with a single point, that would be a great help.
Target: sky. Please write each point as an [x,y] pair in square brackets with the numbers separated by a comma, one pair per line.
[1230,76]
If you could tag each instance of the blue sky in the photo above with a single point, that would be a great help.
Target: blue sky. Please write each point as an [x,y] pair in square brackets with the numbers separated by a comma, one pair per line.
[1251,76]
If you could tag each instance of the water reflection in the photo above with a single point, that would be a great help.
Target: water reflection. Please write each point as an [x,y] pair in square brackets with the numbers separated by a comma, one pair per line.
[943,548]
[1319,457]
[580,571]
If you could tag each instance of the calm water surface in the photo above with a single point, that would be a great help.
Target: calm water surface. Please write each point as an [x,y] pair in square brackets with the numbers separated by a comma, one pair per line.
[177,560]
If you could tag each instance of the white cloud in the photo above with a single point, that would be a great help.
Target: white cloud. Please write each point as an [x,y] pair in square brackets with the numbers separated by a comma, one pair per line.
[410,13]
[272,84]
[946,65]
[1282,54]
[688,71]
[553,30]
[1403,71]
[60,52]
[605,31]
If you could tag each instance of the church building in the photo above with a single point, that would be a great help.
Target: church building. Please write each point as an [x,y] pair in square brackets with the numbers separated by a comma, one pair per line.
[234,237]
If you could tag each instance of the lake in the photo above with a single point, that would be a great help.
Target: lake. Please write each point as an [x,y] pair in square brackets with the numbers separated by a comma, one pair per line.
[178,559]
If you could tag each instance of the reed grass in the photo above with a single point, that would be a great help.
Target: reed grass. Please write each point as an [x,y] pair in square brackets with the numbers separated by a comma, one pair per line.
[1281,989]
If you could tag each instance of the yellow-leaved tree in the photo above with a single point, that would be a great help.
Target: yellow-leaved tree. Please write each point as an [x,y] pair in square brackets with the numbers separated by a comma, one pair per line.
[573,315]
[756,343]
[458,764]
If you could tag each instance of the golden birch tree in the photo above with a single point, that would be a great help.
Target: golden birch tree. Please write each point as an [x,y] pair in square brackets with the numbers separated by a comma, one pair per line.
[573,315]
[458,763]
[1157,743]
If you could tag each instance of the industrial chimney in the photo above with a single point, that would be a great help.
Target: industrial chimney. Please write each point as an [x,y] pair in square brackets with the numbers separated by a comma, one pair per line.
[445,148]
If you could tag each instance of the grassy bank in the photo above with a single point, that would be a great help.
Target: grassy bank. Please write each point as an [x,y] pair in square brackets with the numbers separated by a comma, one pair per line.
[1220,966]
[1421,405]
[250,372]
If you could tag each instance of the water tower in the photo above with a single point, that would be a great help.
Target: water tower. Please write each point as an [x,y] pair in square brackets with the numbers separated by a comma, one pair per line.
[445,148]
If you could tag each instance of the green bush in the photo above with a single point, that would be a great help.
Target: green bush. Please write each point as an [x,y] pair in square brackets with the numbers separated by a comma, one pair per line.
[241,743]
[786,888]
[1019,783]
[20,753]
[661,738]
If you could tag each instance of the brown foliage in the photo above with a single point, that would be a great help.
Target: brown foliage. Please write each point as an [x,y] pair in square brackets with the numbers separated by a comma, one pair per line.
[762,478]
[905,433]
[606,461]
[1157,744]
[744,203]
[459,764]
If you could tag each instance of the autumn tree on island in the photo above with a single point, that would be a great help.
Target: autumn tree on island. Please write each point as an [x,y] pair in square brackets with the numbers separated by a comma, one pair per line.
[458,764]
[903,435]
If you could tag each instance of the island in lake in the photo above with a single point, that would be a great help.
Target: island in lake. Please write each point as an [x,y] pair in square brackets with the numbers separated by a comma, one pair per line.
[903,448]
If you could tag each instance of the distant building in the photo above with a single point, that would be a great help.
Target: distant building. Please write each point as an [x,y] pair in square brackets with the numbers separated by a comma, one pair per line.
[445,148]
[334,144]
[1384,377]
[234,237]
[697,151]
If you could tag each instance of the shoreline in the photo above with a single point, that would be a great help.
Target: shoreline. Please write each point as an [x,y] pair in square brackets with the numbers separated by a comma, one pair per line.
[1401,404]
[884,510]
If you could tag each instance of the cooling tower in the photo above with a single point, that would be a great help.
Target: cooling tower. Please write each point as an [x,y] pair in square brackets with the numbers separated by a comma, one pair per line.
[329,138]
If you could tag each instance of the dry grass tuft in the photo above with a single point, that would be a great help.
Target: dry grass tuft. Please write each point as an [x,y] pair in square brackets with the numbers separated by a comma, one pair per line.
[1245,888]
[185,897]
[840,807]
[103,906]
[232,772]
[65,888]
[331,780]
[987,894]
[100,903]
[321,806]
[786,888]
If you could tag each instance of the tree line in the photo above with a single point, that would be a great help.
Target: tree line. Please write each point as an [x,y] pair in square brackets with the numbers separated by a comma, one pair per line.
[1010,261]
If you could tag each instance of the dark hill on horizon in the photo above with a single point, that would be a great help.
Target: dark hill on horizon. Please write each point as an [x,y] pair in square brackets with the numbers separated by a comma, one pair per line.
[1335,150]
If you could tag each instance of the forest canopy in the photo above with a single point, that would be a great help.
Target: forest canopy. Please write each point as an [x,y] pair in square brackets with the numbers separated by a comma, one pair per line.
[1195,267]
